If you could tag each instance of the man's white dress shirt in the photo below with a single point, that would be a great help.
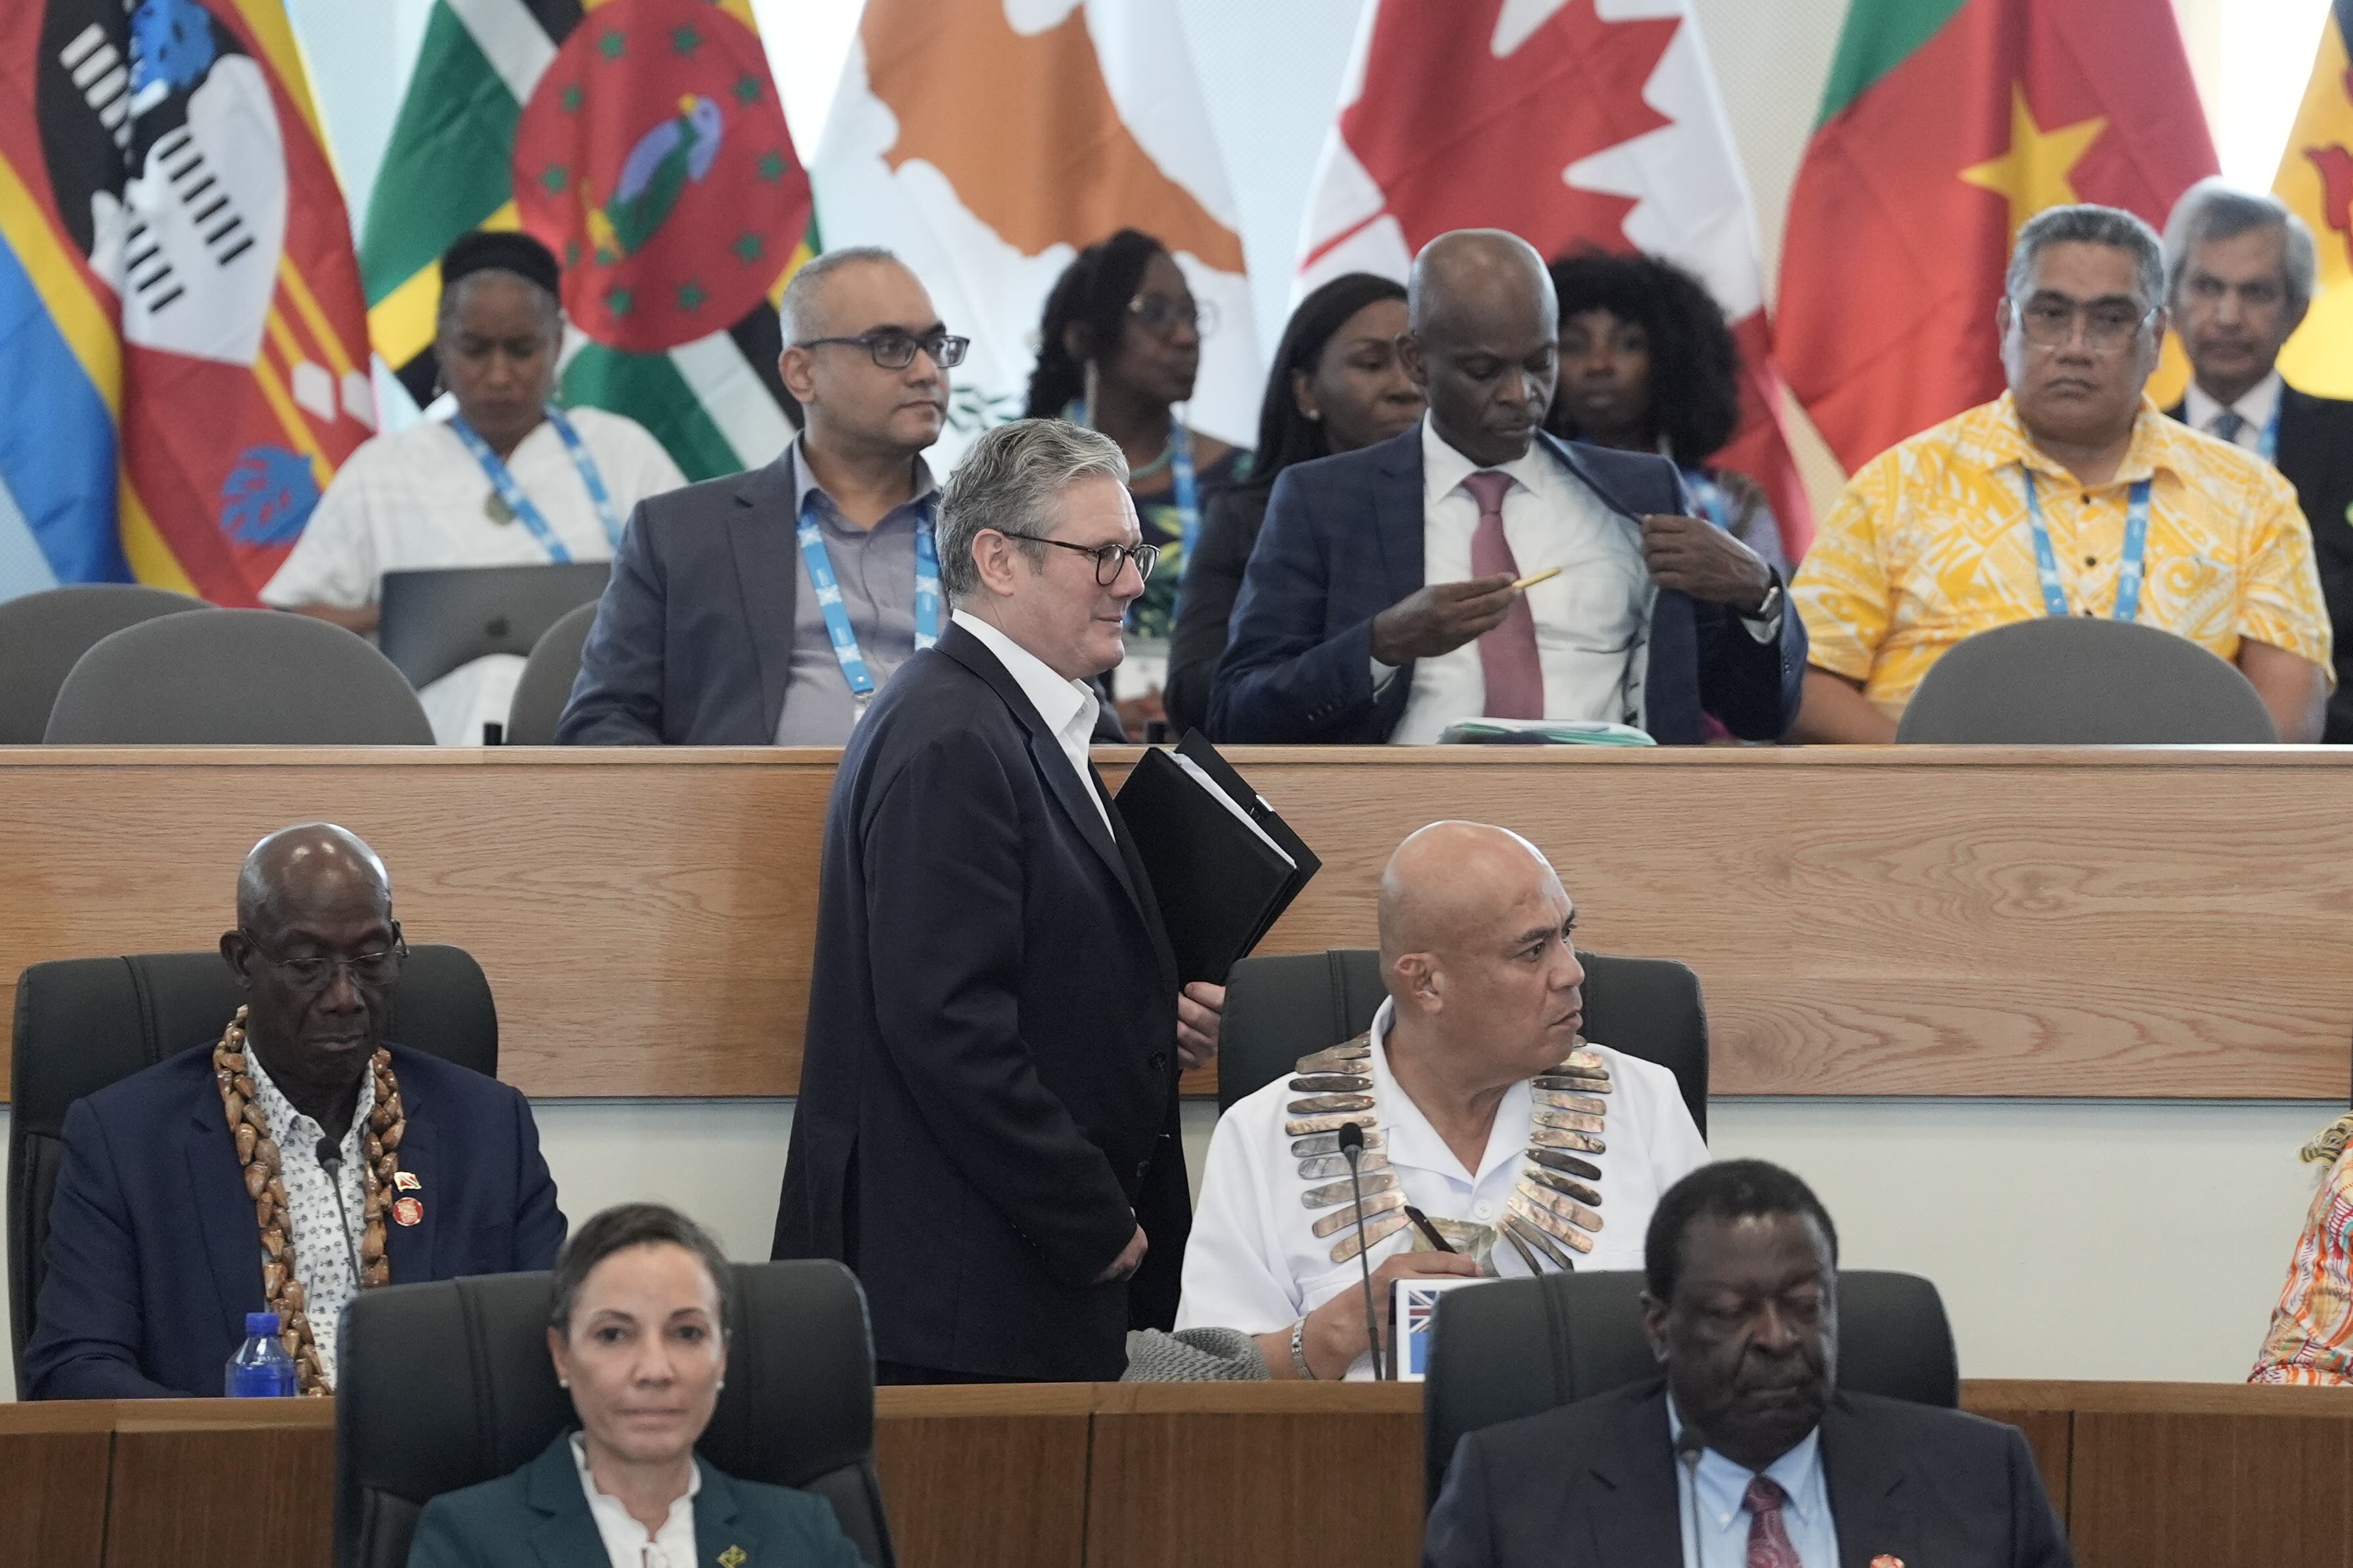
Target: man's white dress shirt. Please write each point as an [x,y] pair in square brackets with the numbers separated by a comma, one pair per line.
[1593,621]
[626,1543]
[1724,1518]
[1069,706]
[416,500]
[1254,1262]
[326,1239]
[2255,411]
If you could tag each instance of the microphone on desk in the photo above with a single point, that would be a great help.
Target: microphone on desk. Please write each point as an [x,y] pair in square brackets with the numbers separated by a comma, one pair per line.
[1688,1448]
[331,1161]
[1352,1148]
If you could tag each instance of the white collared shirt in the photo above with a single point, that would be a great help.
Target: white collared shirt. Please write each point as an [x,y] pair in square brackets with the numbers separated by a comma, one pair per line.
[1724,1518]
[627,1543]
[322,1261]
[1069,706]
[1254,1262]
[1593,621]
[2255,411]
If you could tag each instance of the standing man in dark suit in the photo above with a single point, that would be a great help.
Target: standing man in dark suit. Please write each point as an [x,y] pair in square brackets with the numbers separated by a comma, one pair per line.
[986,1131]
[1747,1441]
[767,607]
[1383,602]
[2240,268]
[156,1249]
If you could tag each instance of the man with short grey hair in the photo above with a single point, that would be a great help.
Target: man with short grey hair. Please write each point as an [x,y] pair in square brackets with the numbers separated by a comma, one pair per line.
[771,606]
[2070,494]
[987,1129]
[2243,268]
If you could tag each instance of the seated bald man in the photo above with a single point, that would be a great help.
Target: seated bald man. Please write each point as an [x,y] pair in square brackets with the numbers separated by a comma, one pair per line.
[1526,1148]
[193,1193]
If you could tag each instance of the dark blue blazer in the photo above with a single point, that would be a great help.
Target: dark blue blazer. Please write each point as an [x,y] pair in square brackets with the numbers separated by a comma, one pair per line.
[539,1514]
[154,1261]
[1343,541]
[693,640]
[1592,1485]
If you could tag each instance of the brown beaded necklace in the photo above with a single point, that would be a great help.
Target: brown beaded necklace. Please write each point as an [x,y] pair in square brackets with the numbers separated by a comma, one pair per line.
[281,1290]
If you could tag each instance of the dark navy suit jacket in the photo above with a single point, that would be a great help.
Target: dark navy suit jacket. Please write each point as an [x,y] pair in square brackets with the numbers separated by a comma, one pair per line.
[539,1514]
[154,1261]
[1343,541]
[1592,1485]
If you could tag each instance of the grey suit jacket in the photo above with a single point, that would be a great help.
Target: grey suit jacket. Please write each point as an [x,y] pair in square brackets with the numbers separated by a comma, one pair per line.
[1592,1485]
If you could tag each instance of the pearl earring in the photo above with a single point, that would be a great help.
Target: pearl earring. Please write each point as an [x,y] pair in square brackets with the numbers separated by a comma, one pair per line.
[563,1382]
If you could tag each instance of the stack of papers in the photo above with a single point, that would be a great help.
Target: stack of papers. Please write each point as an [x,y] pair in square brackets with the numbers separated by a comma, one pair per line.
[1542,733]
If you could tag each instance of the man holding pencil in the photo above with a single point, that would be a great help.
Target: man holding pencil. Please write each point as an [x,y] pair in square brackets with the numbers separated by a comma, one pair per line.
[1477,567]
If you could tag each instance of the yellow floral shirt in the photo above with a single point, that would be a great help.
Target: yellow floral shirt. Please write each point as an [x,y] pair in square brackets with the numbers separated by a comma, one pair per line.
[1930,544]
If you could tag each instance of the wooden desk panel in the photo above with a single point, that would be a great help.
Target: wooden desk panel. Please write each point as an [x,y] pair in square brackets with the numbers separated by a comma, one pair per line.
[985,1476]
[202,1482]
[53,1470]
[1913,921]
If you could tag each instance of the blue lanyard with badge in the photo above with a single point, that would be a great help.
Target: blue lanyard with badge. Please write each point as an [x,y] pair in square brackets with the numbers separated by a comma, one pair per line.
[2267,444]
[510,502]
[2128,571]
[827,588]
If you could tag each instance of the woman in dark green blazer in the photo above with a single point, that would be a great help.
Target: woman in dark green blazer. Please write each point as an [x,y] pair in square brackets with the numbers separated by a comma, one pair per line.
[638,1332]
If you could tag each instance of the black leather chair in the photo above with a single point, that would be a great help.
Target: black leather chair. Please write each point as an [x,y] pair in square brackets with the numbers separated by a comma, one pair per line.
[446,1385]
[85,1023]
[1279,1009]
[1516,1347]
[2083,680]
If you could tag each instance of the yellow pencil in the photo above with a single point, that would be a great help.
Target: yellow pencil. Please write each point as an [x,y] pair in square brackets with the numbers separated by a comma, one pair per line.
[1533,578]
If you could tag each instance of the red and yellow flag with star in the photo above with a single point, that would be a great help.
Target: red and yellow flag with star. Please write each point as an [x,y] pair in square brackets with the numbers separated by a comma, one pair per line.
[1946,124]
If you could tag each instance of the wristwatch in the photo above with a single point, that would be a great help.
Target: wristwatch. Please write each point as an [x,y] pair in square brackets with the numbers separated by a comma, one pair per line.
[1299,1351]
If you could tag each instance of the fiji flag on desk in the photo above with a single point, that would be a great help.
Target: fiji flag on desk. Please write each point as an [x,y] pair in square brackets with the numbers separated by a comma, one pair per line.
[182,332]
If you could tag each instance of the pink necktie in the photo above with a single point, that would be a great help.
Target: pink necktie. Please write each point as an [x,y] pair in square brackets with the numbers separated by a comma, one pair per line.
[1769,1541]
[1508,653]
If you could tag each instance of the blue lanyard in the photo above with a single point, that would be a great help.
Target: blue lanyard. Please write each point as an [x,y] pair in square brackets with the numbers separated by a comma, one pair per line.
[836,616]
[1710,498]
[2128,571]
[2267,444]
[511,493]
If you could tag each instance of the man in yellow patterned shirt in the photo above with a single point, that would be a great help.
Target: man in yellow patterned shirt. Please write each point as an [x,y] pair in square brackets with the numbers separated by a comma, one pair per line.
[1935,540]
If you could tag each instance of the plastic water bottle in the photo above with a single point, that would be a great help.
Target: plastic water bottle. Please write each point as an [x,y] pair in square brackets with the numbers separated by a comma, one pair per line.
[261,1369]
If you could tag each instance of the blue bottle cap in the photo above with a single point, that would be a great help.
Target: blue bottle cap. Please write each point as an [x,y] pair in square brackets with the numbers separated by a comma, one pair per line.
[260,1323]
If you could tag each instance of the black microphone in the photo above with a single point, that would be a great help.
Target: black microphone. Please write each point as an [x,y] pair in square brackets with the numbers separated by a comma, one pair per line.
[331,1161]
[1352,1148]
[1687,1452]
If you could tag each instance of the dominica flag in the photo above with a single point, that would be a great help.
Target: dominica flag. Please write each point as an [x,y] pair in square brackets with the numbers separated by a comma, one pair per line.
[1946,125]
[2316,178]
[180,326]
[644,143]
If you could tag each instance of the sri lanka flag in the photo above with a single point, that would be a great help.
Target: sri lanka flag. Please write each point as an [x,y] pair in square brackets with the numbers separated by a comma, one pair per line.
[2316,178]
[181,327]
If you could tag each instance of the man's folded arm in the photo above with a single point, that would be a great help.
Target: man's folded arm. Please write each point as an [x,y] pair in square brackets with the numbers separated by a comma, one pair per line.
[617,700]
[942,845]
[1281,679]
[87,1327]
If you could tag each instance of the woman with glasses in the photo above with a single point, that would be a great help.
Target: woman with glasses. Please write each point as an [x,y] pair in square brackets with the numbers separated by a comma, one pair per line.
[643,1304]
[1337,384]
[1117,352]
[506,479]
[1647,364]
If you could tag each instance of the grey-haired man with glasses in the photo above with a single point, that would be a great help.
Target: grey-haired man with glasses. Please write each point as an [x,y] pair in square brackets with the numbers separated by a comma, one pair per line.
[2072,494]
[282,1167]
[986,1131]
[772,607]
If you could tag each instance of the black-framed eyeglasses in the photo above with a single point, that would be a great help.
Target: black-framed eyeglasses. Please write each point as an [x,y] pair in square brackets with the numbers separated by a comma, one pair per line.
[1107,557]
[895,350]
[1161,316]
[373,970]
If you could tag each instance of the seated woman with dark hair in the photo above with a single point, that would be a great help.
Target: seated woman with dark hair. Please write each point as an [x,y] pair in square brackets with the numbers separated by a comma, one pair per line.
[1337,384]
[1647,364]
[638,1331]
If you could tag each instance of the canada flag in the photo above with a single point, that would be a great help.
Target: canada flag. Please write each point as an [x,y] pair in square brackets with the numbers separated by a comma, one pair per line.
[1571,123]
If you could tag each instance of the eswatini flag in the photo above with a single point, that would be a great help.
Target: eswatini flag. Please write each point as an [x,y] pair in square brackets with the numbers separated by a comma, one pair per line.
[1946,124]
[1573,123]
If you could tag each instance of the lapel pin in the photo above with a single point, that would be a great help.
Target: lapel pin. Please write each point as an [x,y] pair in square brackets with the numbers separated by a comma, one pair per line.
[406,1182]
[735,1556]
[408,1211]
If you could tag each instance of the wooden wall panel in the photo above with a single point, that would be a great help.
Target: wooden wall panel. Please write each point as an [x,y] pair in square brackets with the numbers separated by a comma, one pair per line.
[1915,921]
[985,1476]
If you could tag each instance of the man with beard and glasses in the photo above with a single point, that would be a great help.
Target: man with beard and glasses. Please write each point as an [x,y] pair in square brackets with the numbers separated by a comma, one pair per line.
[1742,1312]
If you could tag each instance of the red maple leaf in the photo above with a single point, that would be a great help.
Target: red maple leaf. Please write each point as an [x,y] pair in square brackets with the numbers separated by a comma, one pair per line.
[2336,167]
[1458,139]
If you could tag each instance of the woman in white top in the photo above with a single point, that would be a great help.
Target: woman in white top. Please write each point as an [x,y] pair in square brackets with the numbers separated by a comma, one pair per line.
[638,1331]
[508,480]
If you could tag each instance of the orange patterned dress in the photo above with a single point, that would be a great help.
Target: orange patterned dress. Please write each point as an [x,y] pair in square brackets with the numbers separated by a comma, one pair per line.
[2311,1337]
